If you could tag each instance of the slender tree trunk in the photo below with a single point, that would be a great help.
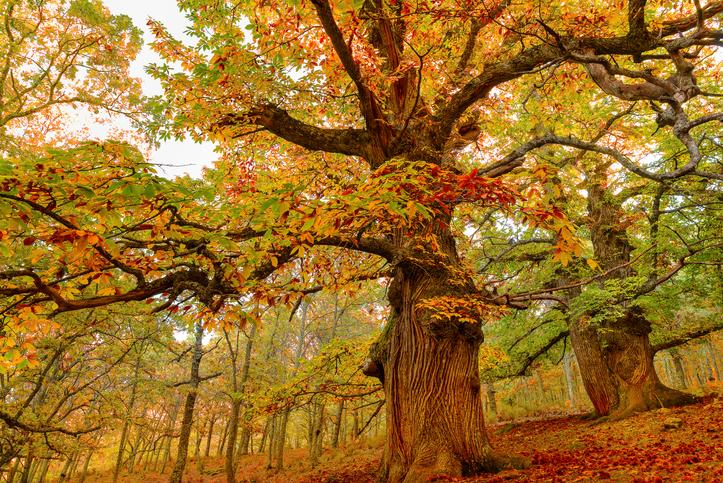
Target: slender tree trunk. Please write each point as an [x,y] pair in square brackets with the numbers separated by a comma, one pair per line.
[678,366]
[170,429]
[222,441]
[136,448]
[232,434]
[25,476]
[66,469]
[491,400]
[712,356]
[183,440]
[337,424]
[264,435]
[355,425]
[127,420]
[43,470]
[279,441]
[316,433]
[569,379]
[86,463]
[244,441]
[14,470]
[210,435]
[270,436]
[200,426]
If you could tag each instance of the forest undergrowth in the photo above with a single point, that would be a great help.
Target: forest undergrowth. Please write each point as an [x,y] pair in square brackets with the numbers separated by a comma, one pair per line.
[676,444]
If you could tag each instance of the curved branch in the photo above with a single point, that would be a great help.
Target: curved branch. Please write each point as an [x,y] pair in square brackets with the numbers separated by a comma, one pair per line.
[17,424]
[279,122]
[496,73]
[531,358]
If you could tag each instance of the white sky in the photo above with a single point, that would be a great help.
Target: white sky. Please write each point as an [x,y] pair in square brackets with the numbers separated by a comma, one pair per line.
[183,157]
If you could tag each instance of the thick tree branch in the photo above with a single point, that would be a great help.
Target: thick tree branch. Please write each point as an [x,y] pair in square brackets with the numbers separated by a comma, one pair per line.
[636,18]
[372,112]
[496,73]
[688,169]
[373,246]
[353,142]
[669,344]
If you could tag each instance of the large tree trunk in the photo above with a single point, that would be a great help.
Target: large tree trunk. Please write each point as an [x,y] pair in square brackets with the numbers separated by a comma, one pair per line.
[429,368]
[614,354]
[616,365]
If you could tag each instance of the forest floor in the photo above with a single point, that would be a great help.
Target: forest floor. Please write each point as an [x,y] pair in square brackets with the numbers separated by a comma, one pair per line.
[678,444]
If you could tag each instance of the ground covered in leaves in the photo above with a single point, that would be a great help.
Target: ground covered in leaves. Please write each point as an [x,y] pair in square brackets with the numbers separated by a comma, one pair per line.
[678,444]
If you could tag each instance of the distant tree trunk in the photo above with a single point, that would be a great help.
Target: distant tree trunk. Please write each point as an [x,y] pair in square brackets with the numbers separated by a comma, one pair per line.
[491,400]
[210,435]
[170,428]
[337,424]
[25,476]
[127,420]
[43,470]
[86,463]
[271,424]
[222,441]
[135,447]
[677,361]
[316,433]
[244,441]
[569,378]
[355,424]
[186,423]
[264,434]
[64,473]
[232,434]
[279,441]
[712,356]
[238,383]
[199,437]
[14,469]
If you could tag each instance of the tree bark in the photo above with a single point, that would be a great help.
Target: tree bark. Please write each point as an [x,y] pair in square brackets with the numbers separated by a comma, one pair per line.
[170,428]
[429,368]
[337,424]
[614,354]
[316,433]
[210,435]
[279,441]
[678,366]
[491,400]
[86,463]
[569,379]
[616,366]
[232,434]
[177,474]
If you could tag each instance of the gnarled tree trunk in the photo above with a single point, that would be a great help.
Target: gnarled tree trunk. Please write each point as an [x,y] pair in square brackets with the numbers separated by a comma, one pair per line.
[615,357]
[429,368]
[616,365]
